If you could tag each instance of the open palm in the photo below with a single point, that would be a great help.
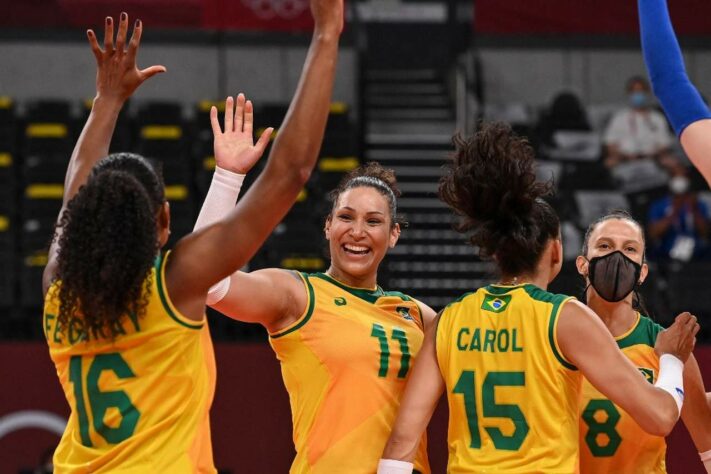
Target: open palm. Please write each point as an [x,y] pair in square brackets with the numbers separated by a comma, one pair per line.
[235,149]
[117,74]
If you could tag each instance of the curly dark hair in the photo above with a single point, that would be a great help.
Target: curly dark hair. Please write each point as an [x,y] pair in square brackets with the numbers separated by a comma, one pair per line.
[108,245]
[372,175]
[491,184]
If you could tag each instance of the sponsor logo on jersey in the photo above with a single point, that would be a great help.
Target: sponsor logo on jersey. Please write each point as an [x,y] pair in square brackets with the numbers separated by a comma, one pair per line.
[405,313]
[340,301]
[648,374]
[496,304]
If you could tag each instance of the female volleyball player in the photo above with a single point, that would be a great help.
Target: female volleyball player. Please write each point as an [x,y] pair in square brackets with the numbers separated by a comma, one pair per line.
[612,263]
[125,326]
[345,345]
[508,355]
[684,107]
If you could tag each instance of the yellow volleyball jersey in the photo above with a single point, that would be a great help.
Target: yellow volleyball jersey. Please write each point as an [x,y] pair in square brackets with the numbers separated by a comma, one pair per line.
[345,363]
[513,397]
[141,402]
[610,440]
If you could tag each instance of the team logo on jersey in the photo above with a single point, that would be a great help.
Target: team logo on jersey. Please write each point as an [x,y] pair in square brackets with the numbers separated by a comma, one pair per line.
[340,301]
[648,374]
[405,313]
[495,304]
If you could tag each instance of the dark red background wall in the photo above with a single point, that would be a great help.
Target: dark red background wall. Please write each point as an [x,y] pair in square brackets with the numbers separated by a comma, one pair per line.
[250,416]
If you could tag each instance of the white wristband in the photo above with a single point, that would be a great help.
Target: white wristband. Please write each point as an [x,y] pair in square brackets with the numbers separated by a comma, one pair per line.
[671,378]
[391,466]
[218,291]
[220,200]
[221,197]
[706,459]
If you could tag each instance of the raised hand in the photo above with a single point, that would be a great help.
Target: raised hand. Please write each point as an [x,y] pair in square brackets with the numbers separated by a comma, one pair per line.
[680,338]
[235,149]
[328,16]
[117,76]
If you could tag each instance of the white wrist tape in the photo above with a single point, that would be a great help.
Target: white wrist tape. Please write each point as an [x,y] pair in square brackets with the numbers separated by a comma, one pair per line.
[671,378]
[220,200]
[391,466]
[218,291]
[221,197]
[706,459]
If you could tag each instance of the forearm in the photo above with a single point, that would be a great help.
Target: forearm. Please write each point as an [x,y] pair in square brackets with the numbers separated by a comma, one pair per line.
[696,412]
[679,98]
[299,139]
[93,143]
[221,197]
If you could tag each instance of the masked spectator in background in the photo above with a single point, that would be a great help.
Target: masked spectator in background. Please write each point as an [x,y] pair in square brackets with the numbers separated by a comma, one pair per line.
[637,131]
[678,224]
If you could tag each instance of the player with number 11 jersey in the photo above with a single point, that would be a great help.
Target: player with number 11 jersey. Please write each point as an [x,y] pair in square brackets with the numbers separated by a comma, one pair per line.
[345,363]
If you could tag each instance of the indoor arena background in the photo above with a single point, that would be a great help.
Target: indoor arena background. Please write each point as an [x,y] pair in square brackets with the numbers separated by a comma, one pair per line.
[410,74]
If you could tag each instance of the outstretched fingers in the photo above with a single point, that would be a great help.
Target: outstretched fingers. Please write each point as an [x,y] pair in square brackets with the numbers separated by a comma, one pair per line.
[135,39]
[249,118]
[94,44]
[239,113]
[151,71]
[229,114]
[263,141]
[122,33]
[215,121]
[109,34]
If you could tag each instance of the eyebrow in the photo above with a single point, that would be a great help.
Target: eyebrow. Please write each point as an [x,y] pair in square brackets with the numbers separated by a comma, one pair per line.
[610,239]
[347,208]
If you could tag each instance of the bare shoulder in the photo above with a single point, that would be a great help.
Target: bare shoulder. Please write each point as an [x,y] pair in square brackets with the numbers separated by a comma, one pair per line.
[428,314]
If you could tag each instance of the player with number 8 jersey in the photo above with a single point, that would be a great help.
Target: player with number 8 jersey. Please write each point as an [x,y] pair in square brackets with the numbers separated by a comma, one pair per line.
[344,363]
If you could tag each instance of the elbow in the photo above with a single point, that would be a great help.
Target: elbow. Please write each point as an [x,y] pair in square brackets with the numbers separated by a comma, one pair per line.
[662,423]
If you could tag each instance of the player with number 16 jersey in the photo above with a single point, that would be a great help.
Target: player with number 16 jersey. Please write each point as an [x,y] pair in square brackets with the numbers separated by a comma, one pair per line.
[136,397]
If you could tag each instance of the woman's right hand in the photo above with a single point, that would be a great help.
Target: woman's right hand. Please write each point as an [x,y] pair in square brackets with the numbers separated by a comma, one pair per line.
[117,75]
[678,339]
[235,149]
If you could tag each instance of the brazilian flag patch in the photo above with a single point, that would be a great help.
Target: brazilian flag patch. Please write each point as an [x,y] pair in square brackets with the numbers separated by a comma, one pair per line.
[648,374]
[496,304]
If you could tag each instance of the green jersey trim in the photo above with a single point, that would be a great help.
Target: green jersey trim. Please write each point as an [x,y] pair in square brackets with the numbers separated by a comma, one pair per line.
[167,306]
[309,310]
[557,302]
[645,333]
[371,296]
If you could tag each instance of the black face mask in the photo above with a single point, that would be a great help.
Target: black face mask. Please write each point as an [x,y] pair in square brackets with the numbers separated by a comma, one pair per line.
[614,276]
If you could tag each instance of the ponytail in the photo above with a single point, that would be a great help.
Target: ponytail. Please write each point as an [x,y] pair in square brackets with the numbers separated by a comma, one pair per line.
[106,251]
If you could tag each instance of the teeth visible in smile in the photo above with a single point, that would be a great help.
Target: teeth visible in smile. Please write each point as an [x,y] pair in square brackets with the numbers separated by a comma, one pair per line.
[355,248]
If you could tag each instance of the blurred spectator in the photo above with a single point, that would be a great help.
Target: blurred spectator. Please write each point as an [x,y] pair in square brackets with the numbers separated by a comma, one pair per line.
[678,224]
[566,113]
[638,131]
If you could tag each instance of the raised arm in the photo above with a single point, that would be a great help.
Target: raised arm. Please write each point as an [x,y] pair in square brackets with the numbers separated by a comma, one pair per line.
[419,400]
[117,77]
[586,342]
[214,253]
[682,103]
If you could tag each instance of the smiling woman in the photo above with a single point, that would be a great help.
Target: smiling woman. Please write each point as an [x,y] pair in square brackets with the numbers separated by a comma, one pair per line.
[351,340]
